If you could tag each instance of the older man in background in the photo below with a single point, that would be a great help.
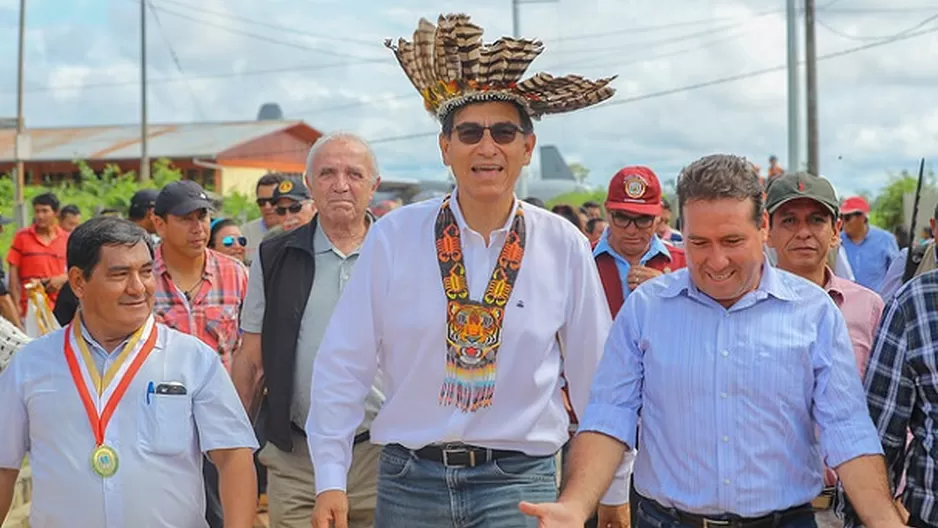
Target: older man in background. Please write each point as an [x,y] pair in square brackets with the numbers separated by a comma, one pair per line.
[295,283]
[293,205]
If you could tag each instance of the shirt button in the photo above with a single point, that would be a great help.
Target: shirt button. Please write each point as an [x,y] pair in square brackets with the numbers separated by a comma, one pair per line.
[726,439]
[726,481]
[724,395]
[725,353]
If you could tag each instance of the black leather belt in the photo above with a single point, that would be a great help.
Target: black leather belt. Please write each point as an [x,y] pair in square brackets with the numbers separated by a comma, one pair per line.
[461,455]
[771,520]
[359,438]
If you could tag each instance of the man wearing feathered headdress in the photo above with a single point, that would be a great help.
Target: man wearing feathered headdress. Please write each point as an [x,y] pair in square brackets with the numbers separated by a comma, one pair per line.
[486,315]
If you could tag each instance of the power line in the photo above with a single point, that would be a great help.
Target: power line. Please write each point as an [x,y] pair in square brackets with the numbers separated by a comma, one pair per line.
[660,27]
[175,57]
[278,27]
[715,82]
[257,36]
[880,37]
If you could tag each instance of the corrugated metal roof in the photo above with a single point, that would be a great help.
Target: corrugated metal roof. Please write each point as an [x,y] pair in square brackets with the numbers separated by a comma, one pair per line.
[123,141]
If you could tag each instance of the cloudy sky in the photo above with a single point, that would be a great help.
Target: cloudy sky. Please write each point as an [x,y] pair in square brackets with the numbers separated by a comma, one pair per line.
[324,62]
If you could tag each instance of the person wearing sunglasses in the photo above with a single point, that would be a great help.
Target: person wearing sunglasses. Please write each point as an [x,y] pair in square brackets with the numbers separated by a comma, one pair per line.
[293,205]
[227,239]
[870,249]
[255,230]
[451,290]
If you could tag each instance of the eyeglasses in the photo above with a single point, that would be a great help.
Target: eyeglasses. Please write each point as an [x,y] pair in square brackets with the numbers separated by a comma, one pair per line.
[502,133]
[261,202]
[624,220]
[293,208]
[229,241]
[847,217]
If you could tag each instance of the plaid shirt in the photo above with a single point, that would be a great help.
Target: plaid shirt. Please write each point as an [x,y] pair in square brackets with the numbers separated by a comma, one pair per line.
[902,392]
[212,314]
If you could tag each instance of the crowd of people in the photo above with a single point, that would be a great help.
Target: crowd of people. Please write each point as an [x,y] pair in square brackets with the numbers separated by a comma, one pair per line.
[476,359]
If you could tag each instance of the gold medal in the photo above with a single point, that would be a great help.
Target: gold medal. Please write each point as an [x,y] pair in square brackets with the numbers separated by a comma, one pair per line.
[104,461]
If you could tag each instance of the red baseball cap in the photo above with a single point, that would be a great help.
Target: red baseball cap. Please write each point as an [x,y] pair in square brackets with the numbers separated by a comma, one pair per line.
[635,190]
[855,204]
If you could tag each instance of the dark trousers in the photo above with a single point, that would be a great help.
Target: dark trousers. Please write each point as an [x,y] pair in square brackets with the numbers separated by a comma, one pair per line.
[260,433]
[648,515]
[213,511]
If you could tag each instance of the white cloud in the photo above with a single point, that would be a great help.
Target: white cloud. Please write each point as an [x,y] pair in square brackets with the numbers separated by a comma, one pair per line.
[877,109]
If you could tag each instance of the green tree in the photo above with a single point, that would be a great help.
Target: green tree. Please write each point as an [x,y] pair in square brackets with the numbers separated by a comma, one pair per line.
[577,198]
[887,208]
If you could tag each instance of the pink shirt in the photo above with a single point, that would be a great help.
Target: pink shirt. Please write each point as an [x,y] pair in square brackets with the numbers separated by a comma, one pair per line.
[862,309]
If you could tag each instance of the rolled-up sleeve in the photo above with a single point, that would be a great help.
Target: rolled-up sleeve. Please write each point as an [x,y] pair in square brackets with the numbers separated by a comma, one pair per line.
[346,364]
[14,434]
[840,410]
[616,394]
[220,417]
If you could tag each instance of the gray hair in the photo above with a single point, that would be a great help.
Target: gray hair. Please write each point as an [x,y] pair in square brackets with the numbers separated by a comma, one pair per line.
[721,176]
[340,136]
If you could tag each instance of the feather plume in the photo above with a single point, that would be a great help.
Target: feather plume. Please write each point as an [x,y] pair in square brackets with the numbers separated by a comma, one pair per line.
[450,65]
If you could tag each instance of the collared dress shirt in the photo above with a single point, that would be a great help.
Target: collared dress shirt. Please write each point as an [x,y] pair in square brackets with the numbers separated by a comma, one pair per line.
[392,315]
[730,405]
[160,441]
[656,247]
[212,314]
[862,309]
[871,257]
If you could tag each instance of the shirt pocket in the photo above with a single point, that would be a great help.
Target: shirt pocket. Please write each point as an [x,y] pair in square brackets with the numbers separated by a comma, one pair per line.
[221,324]
[166,424]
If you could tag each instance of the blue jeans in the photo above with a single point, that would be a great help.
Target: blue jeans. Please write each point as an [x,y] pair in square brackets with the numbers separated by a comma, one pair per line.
[416,493]
[648,516]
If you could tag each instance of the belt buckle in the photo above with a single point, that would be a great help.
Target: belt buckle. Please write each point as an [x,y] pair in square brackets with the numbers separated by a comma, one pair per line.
[709,523]
[447,451]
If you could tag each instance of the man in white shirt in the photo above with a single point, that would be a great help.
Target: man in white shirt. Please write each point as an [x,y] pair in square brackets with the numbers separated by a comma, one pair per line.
[115,411]
[480,311]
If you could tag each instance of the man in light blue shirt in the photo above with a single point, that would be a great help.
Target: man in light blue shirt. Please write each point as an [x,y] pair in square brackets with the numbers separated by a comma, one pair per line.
[732,404]
[870,250]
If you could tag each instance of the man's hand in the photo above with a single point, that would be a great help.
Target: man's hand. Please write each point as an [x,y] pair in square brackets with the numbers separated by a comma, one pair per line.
[639,274]
[331,507]
[55,284]
[613,516]
[553,514]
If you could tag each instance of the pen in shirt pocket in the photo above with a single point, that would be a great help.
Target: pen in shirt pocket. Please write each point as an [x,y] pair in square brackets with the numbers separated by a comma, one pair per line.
[150,390]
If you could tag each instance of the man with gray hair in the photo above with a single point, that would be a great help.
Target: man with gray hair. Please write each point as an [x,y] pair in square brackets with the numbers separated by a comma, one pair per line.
[295,282]
[731,405]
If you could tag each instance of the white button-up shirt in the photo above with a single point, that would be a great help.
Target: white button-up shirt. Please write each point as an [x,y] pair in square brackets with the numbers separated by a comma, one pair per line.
[393,314]
[159,439]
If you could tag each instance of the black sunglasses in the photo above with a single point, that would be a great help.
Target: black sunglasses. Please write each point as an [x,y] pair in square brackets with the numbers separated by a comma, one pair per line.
[848,216]
[293,208]
[229,241]
[261,202]
[624,220]
[502,133]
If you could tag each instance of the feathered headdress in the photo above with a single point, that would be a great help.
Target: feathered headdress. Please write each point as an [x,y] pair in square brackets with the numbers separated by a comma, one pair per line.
[450,67]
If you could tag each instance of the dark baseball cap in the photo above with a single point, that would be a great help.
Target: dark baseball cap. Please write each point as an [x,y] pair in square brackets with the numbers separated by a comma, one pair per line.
[292,188]
[143,200]
[792,186]
[180,198]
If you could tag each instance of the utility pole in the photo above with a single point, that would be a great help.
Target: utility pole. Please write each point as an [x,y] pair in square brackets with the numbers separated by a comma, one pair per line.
[144,156]
[516,32]
[794,97]
[810,50]
[21,143]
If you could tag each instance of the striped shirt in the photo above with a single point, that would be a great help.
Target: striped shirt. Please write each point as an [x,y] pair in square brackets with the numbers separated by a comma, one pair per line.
[731,405]
[212,314]
[902,393]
